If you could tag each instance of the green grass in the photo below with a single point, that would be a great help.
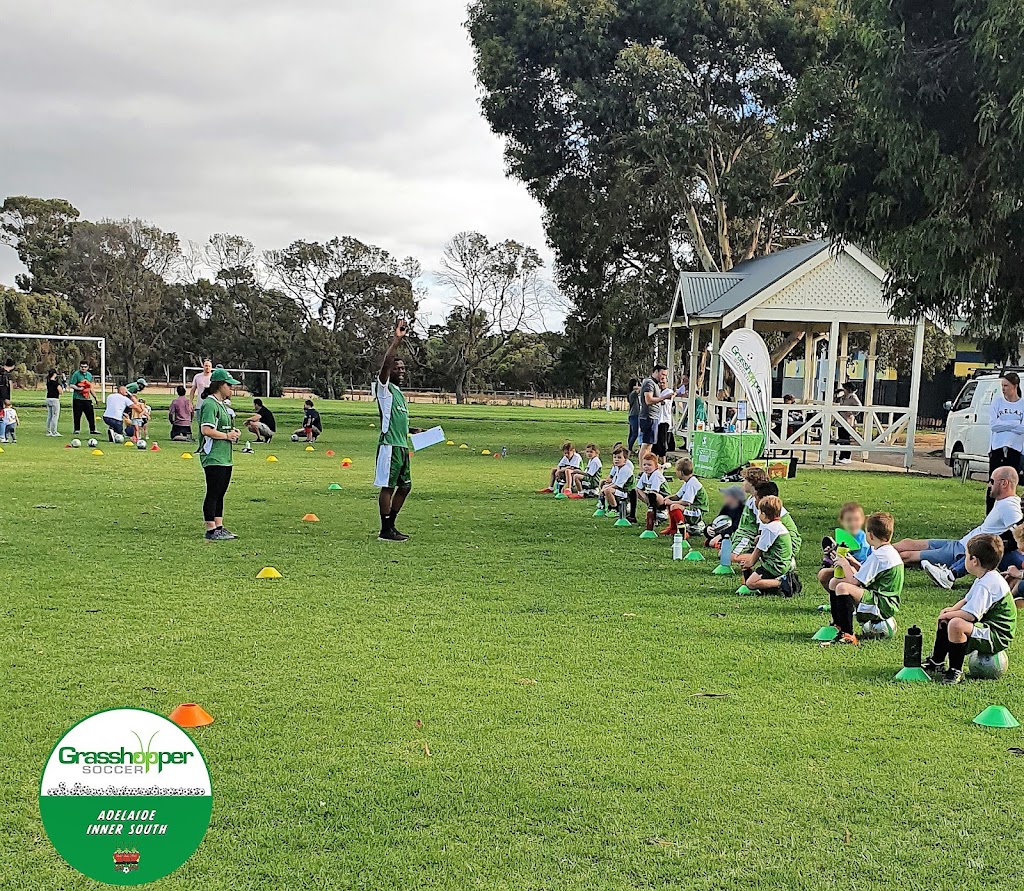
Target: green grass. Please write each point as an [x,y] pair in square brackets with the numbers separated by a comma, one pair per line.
[553,660]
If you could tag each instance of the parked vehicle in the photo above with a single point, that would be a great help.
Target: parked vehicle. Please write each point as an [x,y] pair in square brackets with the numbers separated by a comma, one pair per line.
[967,425]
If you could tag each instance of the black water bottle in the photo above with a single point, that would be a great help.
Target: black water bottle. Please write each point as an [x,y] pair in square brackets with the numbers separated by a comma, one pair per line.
[912,647]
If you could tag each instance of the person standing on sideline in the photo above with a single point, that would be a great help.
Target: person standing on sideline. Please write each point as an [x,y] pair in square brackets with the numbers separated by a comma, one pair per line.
[394,473]
[218,434]
[848,396]
[200,383]
[1006,429]
[5,379]
[651,399]
[54,387]
[82,398]
[633,398]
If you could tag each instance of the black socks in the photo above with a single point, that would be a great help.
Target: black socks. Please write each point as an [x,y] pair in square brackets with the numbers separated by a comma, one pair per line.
[942,644]
[957,652]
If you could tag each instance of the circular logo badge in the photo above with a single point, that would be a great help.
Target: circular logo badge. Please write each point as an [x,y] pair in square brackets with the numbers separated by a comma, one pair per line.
[126,797]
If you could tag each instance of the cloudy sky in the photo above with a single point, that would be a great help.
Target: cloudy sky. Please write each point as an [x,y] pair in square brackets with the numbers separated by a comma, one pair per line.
[273,120]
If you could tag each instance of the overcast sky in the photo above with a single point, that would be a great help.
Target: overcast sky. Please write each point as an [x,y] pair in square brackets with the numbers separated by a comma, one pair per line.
[273,120]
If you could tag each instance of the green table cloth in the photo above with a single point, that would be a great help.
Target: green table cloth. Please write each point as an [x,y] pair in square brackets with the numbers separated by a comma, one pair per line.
[715,454]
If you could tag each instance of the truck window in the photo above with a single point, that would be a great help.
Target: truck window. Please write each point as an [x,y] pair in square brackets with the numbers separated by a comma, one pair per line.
[963,401]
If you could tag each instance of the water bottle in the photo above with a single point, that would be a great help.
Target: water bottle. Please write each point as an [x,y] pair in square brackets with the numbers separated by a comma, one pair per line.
[912,647]
[504,452]
[725,558]
[677,546]
[559,484]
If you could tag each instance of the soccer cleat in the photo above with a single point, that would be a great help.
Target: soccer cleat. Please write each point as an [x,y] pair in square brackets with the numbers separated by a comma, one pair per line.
[848,639]
[668,530]
[953,676]
[574,496]
[547,490]
[932,664]
[940,575]
[796,586]
[392,535]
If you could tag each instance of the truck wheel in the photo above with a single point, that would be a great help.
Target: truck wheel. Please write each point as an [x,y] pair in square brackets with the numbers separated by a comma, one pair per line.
[959,465]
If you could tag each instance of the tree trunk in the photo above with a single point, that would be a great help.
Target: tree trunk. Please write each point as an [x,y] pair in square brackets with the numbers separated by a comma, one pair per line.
[460,389]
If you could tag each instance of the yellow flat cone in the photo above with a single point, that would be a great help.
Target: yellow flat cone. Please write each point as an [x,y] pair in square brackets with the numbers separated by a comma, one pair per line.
[128,444]
[311,518]
[310,449]
[268,572]
[97,452]
[463,446]
[486,452]
[186,456]
[1,451]
[449,442]
[271,459]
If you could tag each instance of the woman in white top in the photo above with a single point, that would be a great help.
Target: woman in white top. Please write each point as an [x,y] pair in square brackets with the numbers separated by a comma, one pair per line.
[1006,426]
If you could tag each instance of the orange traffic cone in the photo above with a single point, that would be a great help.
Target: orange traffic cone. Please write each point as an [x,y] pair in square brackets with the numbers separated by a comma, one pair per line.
[155,448]
[311,518]
[189,714]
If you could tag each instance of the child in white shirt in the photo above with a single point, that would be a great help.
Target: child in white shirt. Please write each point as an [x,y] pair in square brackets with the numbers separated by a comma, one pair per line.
[687,506]
[620,485]
[586,482]
[571,460]
[10,422]
[652,488]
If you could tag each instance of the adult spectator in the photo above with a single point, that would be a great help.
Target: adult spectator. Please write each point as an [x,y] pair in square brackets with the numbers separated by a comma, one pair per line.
[940,558]
[848,396]
[5,379]
[54,387]
[218,434]
[1006,428]
[312,426]
[651,400]
[180,417]
[262,424]
[119,403]
[82,398]
[200,383]
[633,398]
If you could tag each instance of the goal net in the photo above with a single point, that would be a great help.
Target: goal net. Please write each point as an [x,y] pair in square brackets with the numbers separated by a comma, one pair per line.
[256,381]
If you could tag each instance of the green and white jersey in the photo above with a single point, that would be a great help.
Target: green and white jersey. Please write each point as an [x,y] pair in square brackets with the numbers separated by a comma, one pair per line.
[747,530]
[776,548]
[790,524]
[215,452]
[882,574]
[991,601]
[652,482]
[394,415]
[693,493]
[623,478]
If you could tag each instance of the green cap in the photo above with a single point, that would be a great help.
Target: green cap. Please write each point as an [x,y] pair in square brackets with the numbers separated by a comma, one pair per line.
[996,716]
[222,376]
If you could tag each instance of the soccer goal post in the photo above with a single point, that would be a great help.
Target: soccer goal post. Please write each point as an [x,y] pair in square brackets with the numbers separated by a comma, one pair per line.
[101,341]
[189,371]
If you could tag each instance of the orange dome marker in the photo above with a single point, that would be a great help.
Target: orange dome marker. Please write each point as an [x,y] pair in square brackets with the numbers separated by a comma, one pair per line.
[330,453]
[311,518]
[347,462]
[188,714]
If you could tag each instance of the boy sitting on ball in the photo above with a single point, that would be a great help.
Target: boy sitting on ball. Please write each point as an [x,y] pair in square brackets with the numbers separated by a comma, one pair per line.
[984,621]
[571,460]
[870,590]
[767,568]
[620,485]
[585,482]
[652,488]
[687,506]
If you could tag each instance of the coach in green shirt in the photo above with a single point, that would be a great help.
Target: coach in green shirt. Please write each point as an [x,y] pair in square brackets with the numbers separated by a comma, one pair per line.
[217,435]
[82,397]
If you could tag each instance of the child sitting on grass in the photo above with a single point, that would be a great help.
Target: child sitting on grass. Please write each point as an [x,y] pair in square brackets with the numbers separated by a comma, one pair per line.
[851,519]
[620,485]
[586,482]
[870,590]
[767,568]
[1014,563]
[571,460]
[769,489]
[687,506]
[748,529]
[984,621]
[728,520]
[652,488]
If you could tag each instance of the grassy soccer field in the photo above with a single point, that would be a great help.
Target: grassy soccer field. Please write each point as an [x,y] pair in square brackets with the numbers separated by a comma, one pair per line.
[511,700]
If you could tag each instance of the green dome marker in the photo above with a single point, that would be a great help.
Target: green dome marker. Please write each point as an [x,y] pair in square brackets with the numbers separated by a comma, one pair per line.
[996,716]
[599,512]
[622,521]
[334,487]
[829,632]
[913,676]
[648,533]
[744,591]
[723,570]
[694,556]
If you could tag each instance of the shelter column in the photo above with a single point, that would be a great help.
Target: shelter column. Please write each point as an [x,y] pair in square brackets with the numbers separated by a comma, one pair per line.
[830,392]
[714,384]
[870,371]
[915,392]
[691,393]
[809,355]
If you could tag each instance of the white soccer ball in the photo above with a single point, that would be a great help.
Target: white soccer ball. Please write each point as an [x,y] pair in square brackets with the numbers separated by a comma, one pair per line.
[93,443]
[76,443]
[986,667]
[881,629]
[295,437]
[119,438]
[141,445]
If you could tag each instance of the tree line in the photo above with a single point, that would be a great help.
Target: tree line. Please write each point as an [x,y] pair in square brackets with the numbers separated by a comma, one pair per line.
[316,314]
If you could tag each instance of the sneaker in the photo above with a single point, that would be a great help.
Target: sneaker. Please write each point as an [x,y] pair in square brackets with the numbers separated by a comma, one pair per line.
[392,535]
[932,664]
[842,639]
[953,676]
[227,535]
[545,491]
[220,534]
[845,461]
[796,586]
[211,535]
[575,496]
[940,575]
[77,433]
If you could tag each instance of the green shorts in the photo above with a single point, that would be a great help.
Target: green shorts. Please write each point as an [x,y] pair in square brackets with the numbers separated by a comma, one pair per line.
[983,641]
[394,470]
[875,606]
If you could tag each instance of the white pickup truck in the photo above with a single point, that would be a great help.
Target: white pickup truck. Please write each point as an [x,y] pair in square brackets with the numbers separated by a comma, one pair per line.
[967,426]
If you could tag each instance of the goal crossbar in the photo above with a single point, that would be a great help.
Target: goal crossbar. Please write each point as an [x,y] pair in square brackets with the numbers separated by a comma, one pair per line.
[101,341]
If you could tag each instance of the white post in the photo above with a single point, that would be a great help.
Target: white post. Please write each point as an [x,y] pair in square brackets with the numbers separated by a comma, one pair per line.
[691,393]
[809,354]
[870,371]
[607,397]
[830,392]
[103,367]
[915,392]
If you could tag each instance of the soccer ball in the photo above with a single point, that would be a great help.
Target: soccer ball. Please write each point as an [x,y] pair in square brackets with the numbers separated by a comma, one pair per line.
[93,443]
[295,437]
[76,443]
[986,667]
[141,445]
[881,629]
[119,438]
